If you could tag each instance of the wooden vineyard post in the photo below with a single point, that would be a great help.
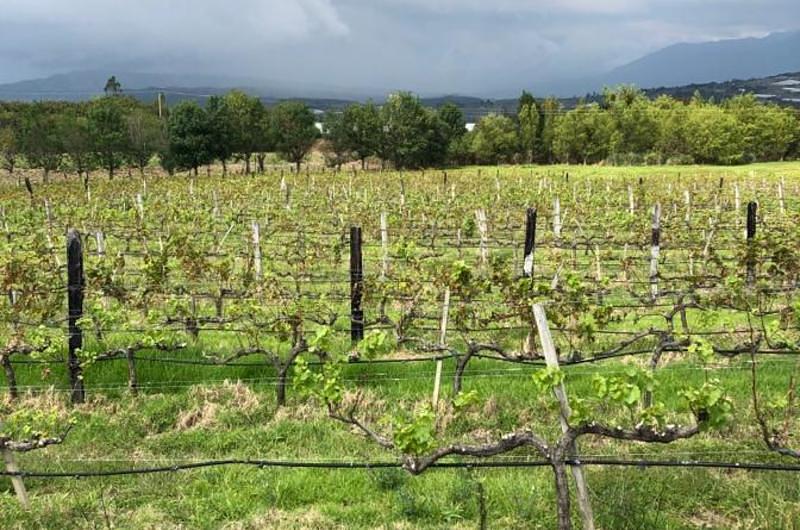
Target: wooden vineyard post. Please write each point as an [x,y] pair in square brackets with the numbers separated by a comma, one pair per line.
[385,245]
[551,359]
[16,480]
[530,243]
[655,250]
[101,243]
[480,217]
[687,199]
[356,285]
[75,284]
[437,382]
[631,201]
[557,220]
[140,206]
[752,210]
[259,271]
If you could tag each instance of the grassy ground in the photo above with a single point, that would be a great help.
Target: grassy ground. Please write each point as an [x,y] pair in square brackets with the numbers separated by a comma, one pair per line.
[181,422]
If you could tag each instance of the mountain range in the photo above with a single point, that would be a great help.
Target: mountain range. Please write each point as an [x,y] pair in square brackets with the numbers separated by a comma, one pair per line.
[713,68]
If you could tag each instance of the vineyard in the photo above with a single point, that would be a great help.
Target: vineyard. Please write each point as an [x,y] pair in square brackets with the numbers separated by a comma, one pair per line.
[513,347]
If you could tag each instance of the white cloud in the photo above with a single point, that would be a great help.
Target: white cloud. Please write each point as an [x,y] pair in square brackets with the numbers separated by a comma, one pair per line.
[189,21]
[522,6]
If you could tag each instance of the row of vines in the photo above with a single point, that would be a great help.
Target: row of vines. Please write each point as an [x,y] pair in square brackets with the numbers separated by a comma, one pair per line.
[637,276]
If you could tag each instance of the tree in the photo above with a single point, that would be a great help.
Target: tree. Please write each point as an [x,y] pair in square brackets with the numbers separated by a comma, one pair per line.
[112,87]
[264,136]
[529,121]
[190,137]
[336,144]
[526,99]
[453,129]
[40,141]
[672,143]
[550,112]
[455,126]
[715,136]
[362,126]
[73,128]
[9,141]
[494,139]
[108,130]
[224,130]
[294,130]
[768,130]
[145,137]
[407,131]
[583,135]
[634,124]
[247,118]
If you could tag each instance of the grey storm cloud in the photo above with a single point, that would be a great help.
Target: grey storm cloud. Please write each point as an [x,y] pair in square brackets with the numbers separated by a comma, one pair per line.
[469,46]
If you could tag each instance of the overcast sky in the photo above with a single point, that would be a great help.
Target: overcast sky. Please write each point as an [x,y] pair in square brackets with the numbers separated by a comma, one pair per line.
[490,47]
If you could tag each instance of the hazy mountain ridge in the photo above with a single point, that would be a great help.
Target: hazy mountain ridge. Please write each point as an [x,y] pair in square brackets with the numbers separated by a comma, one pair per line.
[685,64]
[718,69]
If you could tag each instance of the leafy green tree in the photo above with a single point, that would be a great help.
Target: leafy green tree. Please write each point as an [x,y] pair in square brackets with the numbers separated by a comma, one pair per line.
[73,128]
[264,136]
[145,137]
[108,130]
[191,138]
[362,125]
[9,142]
[494,139]
[634,123]
[530,126]
[112,86]
[526,99]
[715,135]
[672,142]
[294,130]
[583,135]
[40,141]
[247,122]
[769,131]
[336,144]
[412,134]
[454,128]
[223,128]
[550,111]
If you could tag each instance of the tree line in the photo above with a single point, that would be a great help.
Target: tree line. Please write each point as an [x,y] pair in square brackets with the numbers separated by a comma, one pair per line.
[625,127]
[117,131]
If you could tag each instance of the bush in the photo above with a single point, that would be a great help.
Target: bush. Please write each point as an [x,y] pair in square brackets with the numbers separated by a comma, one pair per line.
[653,159]
[680,160]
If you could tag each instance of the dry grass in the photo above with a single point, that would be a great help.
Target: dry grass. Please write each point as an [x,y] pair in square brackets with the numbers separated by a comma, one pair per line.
[207,402]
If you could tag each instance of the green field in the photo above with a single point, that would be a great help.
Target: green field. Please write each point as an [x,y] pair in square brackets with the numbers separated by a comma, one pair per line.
[185,259]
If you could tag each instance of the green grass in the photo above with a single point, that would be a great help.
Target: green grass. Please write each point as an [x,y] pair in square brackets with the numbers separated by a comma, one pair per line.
[213,421]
